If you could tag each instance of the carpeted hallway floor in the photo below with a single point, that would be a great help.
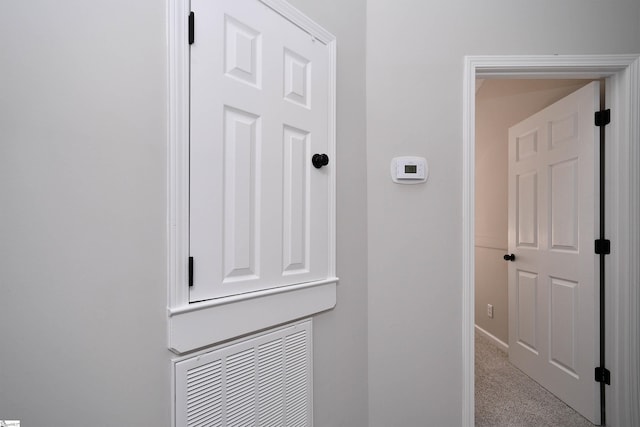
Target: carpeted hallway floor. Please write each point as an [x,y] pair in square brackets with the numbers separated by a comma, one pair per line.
[507,397]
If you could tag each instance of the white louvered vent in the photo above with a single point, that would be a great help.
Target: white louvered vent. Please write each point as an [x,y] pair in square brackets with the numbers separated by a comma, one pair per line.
[265,380]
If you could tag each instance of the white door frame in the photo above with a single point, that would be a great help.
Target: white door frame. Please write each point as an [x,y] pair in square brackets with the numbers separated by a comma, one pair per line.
[622,216]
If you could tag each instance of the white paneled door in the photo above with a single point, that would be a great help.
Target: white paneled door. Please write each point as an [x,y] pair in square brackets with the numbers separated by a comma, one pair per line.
[553,319]
[259,112]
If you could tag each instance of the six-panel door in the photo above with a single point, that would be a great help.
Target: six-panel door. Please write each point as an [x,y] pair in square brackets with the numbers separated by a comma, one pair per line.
[259,112]
[552,224]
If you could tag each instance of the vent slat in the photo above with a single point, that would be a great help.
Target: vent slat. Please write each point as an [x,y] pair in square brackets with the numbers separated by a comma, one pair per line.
[212,416]
[196,384]
[205,402]
[273,420]
[205,394]
[214,379]
[195,378]
[211,411]
[207,383]
[208,366]
[243,419]
[240,382]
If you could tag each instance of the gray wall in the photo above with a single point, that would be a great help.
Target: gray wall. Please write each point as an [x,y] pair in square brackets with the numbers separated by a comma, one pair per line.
[501,104]
[82,216]
[415,60]
[82,213]
[340,335]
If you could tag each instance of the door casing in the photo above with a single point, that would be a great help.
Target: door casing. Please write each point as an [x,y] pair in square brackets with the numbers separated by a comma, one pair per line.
[622,74]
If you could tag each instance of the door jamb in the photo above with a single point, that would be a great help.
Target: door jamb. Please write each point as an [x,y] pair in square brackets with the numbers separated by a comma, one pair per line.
[623,189]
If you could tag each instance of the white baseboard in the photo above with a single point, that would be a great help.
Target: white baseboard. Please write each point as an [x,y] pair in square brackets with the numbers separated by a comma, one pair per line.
[497,341]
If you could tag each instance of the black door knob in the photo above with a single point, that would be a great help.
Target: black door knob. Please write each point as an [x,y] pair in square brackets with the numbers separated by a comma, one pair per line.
[320,160]
[509,257]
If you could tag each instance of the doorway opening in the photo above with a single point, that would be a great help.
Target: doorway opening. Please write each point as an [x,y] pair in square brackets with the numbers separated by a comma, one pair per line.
[622,74]
[551,147]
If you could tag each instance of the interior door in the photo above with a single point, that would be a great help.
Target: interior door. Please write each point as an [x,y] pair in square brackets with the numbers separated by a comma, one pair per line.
[259,112]
[553,322]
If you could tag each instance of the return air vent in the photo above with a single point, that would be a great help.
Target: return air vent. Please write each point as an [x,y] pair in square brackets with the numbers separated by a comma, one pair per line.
[265,380]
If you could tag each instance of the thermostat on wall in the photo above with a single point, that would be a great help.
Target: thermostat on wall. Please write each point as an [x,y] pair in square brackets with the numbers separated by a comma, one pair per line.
[409,170]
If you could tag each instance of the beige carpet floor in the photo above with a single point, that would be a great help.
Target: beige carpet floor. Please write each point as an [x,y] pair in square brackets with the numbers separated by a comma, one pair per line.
[505,396]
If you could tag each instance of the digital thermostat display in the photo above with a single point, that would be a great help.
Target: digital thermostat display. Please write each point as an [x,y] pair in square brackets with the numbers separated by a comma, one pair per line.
[409,170]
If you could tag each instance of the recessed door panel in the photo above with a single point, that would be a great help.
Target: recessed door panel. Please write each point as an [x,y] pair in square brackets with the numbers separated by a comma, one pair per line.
[526,309]
[563,130]
[242,51]
[297,78]
[527,145]
[296,200]
[564,205]
[563,316]
[242,136]
[527,206]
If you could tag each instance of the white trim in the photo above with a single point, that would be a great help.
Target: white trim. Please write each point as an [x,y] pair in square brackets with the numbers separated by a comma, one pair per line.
[332,152]
[468,244]
[628,314]
[243,297]
[634,247]
[301,20]
[181,357]
[623,305]
[261,309]
[193,330]
[178,153]
[549,66]
[496,341]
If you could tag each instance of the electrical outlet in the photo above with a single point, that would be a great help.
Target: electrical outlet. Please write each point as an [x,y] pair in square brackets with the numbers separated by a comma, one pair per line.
[490,310]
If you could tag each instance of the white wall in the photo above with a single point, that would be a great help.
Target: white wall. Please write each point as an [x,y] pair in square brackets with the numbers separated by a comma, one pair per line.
[501,104]
[415,52]
[83,216]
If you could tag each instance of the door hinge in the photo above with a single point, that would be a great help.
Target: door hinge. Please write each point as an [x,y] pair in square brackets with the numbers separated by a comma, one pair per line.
[603,247]
[603,118]
[603,376]
[190,271]
[192,24]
